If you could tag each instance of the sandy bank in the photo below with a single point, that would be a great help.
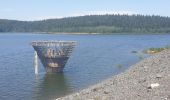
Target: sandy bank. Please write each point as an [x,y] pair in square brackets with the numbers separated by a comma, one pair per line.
[146,80]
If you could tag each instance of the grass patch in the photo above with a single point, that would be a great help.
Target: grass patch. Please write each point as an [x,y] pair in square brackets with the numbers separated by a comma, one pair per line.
[155,50]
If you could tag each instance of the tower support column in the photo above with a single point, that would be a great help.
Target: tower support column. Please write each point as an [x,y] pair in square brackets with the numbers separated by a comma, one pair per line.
[36,62]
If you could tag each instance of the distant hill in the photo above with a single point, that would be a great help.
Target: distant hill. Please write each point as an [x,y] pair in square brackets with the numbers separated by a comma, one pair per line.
[92,24]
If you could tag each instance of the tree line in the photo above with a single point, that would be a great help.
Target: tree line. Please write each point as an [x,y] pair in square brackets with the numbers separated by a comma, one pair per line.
[92,24]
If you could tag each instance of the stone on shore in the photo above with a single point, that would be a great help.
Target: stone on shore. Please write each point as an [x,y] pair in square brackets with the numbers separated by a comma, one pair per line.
[146,80]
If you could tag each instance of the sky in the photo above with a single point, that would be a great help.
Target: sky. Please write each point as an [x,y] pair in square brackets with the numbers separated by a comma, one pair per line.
[30,10]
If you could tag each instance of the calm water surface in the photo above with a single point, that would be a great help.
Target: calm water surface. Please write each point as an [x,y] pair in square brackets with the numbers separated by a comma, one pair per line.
[95,58]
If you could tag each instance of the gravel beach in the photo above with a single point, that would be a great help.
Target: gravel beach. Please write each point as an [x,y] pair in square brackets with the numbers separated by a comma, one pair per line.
[147,80]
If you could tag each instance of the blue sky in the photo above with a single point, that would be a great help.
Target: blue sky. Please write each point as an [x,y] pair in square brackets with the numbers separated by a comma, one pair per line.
[44,9]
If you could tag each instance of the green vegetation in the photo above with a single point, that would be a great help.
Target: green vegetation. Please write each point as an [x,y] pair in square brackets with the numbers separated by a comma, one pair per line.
[92,24]
[155,50]
[120,66]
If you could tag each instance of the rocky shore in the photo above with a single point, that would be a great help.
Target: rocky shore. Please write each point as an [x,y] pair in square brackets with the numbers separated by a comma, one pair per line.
[146,80]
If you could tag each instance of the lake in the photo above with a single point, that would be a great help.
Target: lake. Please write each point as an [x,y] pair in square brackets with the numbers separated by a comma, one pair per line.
[95,58]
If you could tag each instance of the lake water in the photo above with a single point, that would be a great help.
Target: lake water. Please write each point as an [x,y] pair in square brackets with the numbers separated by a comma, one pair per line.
[95,58]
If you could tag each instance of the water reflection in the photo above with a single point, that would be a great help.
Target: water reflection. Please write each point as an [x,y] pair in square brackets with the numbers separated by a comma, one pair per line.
[51,86]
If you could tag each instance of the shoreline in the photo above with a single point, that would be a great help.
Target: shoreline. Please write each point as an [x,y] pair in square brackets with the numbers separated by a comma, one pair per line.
[149,79]
[83,33]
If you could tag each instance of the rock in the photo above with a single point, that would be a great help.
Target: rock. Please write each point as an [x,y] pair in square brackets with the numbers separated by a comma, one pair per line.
[168,97]
[77,94]
[94,90]
[105,92]
[133,83]
[142,81]
[153,85]
[145,67]
[158,76]
[134,52]
[90,99]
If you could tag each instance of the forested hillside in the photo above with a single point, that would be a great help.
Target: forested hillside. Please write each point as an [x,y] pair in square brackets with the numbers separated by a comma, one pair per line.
[92,24]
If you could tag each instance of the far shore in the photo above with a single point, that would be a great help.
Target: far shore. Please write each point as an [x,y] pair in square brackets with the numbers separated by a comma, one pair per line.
[147,80]
[84,33]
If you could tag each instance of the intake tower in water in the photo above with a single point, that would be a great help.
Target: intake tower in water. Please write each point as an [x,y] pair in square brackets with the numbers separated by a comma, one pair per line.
[53,54]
